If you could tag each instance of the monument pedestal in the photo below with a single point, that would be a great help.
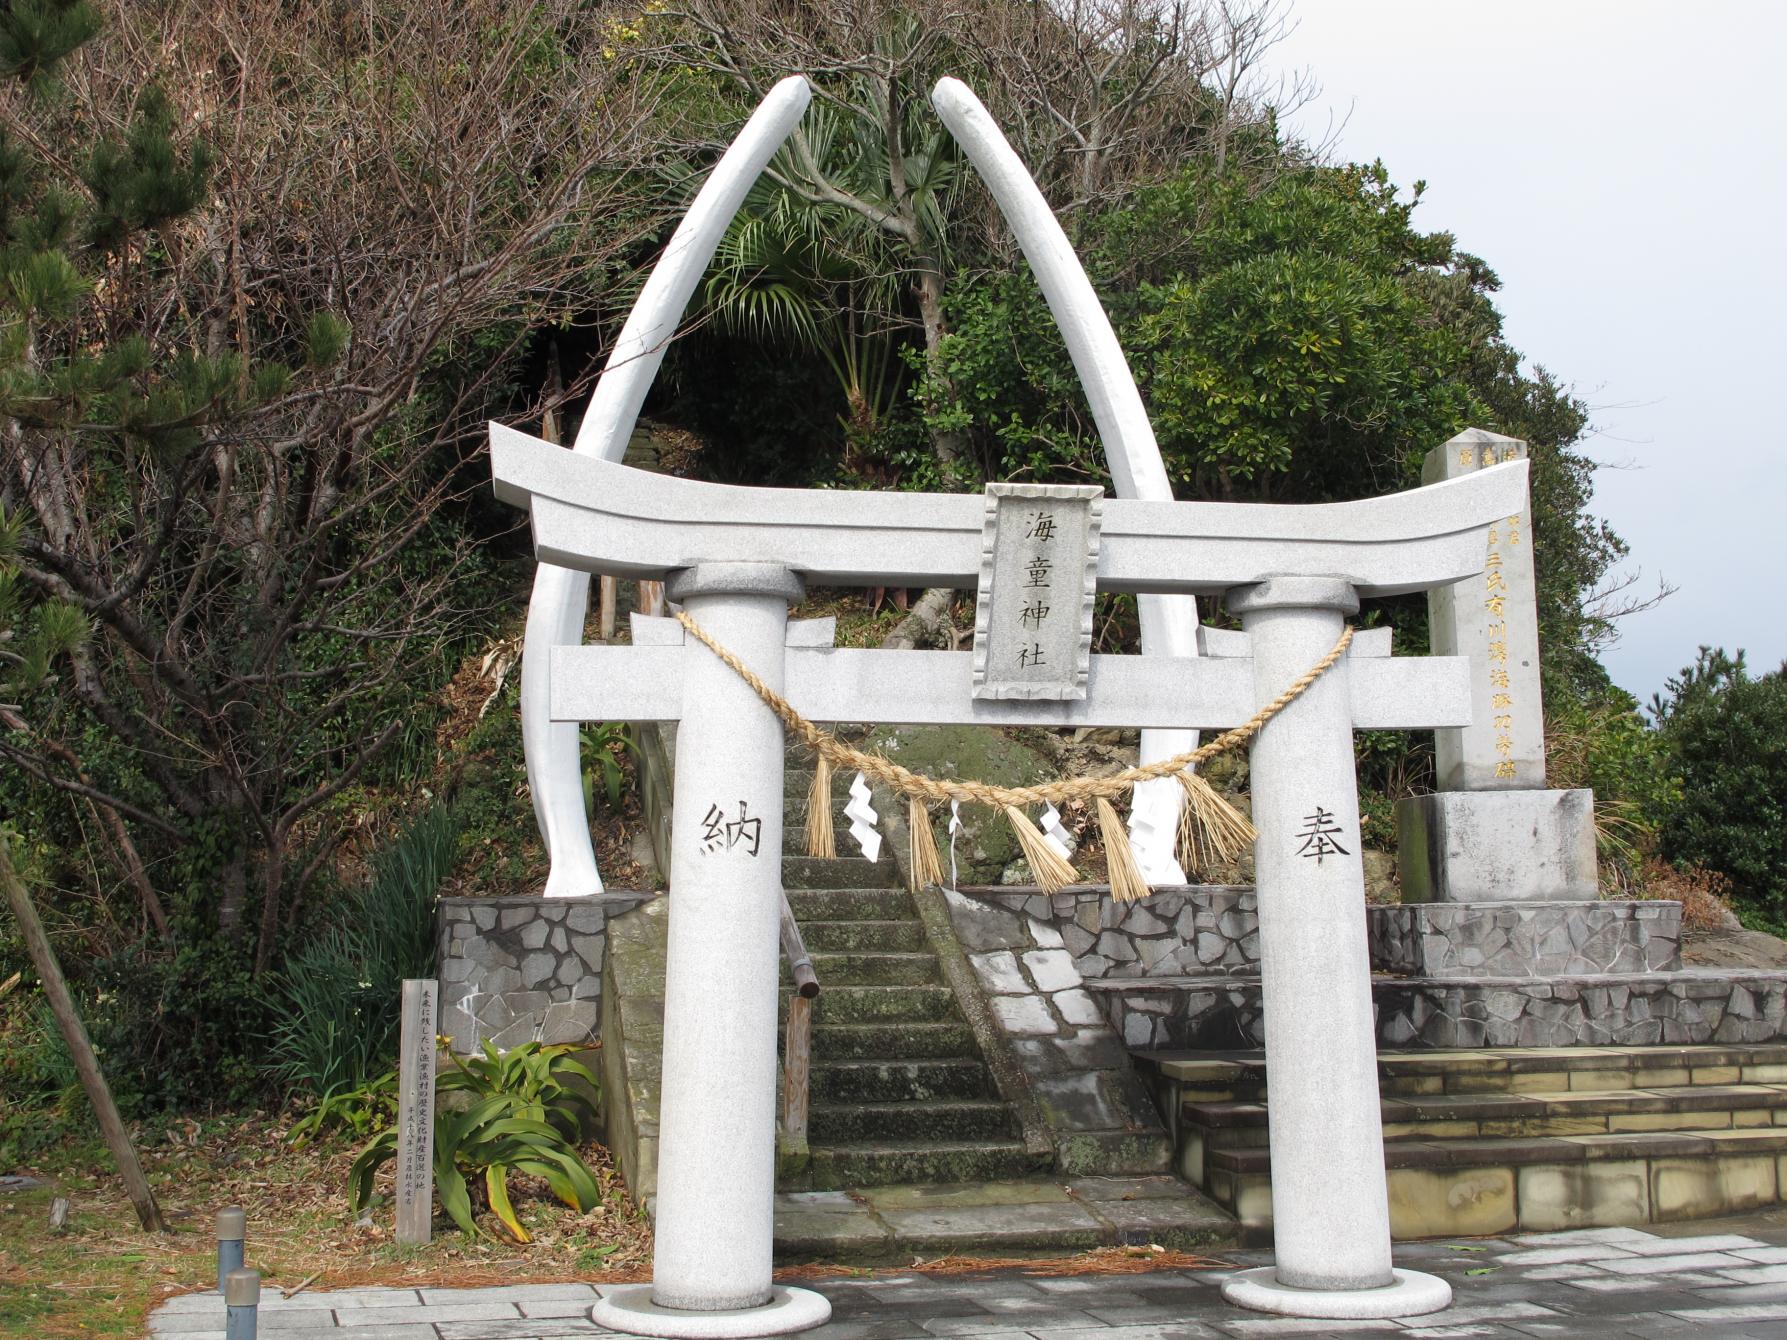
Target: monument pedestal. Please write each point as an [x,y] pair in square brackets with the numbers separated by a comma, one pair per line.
[1409,1294]
[1497,847]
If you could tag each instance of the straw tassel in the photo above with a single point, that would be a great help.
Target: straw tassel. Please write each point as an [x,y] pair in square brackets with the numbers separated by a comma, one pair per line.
[820,840]
[1051,870]
[924,867]
[1125,875]
[1209,827]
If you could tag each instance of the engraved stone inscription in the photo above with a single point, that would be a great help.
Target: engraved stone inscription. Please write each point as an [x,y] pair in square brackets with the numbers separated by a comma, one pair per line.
[1039,564]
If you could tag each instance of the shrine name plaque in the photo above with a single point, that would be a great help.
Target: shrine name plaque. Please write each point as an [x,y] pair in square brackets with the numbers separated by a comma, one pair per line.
[1038,572]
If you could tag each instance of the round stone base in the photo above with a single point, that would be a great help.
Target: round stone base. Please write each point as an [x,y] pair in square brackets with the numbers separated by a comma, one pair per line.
[1412,1294]
[630,1310]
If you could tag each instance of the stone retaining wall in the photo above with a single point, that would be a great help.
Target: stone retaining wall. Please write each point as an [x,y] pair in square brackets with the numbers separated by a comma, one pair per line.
[1625,1009]
[1550,939]
[1209,928]
[1213,930]
[523,969]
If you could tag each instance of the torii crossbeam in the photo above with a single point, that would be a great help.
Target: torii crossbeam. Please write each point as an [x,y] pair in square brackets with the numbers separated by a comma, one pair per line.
[736,557]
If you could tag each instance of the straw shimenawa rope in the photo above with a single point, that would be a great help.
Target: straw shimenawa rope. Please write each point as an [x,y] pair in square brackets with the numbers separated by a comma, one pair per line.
[1206,825]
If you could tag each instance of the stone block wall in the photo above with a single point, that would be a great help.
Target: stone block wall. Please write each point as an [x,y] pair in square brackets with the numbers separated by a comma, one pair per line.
[1205,929]
[1525,939]
[525,968]
[1213,931]
[1096,1108]
[1609,1009]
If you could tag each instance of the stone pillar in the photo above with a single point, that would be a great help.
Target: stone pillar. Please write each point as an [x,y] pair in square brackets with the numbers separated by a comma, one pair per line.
[1494,833]
[1494,620]
[1330,1207]
[716,1151]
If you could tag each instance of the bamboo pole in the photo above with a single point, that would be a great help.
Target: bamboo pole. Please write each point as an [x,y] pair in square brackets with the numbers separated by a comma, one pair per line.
[80,1047]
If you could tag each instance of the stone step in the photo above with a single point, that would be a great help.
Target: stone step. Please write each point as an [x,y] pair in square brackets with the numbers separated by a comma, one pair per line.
[863,937]
[811,905]
[1229,1124]
[839,872]
[1035,1216]
[881,1004]
[892,1162]
[858,1042]
[1539,1183]
[871,969]
[900,1081]
[840,1123]
[1241,1075]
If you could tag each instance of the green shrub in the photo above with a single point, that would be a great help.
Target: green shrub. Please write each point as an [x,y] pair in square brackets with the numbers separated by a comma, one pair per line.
[1726,733]
[528,1106]
[336,1009]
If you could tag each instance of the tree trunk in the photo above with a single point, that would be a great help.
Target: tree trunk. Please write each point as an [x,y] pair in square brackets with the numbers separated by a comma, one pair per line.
[80,1047]
[947,444]
[925,620]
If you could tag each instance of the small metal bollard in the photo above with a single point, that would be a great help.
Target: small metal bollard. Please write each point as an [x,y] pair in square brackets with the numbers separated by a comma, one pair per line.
[241,1301]
[232,1228]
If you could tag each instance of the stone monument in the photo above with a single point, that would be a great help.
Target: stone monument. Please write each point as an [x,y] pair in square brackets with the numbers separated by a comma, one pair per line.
[1494,834]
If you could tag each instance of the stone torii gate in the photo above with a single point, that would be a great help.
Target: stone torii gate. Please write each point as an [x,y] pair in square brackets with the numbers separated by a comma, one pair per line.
[736,557]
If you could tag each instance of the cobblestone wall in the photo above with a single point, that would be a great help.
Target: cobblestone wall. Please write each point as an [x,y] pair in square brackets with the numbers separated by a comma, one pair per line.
[1525,939]
[525,968]
[1639,1009]
[1211,928]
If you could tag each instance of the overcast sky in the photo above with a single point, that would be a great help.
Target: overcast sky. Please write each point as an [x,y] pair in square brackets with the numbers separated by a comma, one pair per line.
[1621,167]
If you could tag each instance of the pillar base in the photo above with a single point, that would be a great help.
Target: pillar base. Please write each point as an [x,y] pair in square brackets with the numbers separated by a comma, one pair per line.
[630,1310]
[1413,1294]
[1497,847]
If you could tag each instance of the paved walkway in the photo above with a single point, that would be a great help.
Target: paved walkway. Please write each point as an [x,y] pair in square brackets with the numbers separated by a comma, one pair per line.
[1725,1280]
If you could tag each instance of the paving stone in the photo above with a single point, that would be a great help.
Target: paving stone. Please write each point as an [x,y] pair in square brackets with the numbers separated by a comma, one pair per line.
[986,1226]
[1741,1312]
[1562,1272]
[510,1293]
[556,1309]
[1187,1330]
[1554,1256]
[1014,1323]
[1725,1242]
[1305,1326]
[1764,1274]
[1467,1313]
[1610,1284]
[1771,1256]
[517,1329]
[1562,1239]
[1746,1293]
[1662,1265]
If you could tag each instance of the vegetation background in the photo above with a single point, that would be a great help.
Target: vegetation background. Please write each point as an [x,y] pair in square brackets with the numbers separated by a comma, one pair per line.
[267,268]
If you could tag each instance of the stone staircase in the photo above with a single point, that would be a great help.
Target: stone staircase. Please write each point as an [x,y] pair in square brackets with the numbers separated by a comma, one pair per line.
[1503,1139]
[900,1093]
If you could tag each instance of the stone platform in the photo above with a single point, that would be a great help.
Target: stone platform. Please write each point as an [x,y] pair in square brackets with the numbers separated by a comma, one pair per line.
[1495,1140]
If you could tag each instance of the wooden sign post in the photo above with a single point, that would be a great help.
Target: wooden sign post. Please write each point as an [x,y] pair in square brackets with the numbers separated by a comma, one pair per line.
[415,1111]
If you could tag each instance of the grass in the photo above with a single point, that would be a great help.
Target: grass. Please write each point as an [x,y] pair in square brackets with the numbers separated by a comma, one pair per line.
[102,1277]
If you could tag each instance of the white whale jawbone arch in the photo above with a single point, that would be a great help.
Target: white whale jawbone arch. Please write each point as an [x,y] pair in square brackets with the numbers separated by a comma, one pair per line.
[1169,623]
[560,600]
